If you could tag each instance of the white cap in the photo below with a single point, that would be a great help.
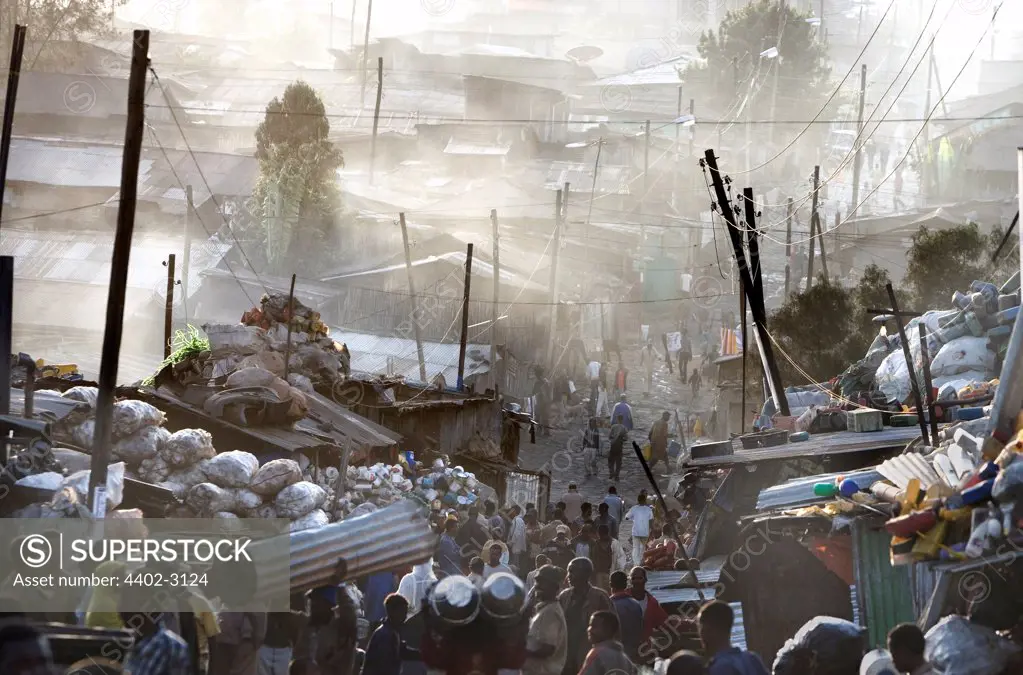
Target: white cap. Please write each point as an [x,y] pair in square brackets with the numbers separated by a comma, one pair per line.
[878,662]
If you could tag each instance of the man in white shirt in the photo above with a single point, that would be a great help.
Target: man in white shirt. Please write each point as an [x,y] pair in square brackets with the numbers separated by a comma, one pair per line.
[573,503]
[640,515]
[517,538]
[494,564]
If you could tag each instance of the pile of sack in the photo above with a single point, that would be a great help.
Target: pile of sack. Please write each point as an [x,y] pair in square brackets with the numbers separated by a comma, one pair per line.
[372,487]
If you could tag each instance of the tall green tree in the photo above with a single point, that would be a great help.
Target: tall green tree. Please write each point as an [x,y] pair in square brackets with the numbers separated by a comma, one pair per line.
[731,64]
[942,262]
[297,199]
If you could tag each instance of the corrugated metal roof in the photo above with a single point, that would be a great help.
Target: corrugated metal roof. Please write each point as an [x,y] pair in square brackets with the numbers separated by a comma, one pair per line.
[480,268]
[799,491]
[838,442]
[676,595]
[610,179]
[665,73]
[85,257]
[390,355]
[456,147]
[59,164]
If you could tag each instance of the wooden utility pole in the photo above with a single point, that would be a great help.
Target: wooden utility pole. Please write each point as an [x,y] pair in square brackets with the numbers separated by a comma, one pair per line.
[678,151]
[189,207]
[465,319]
[415,307]
[376,118]
[742,318]
[925,174]
[494,312]
[788,245]
[17,50]
[858,157]
[168,308]
[556,248]
[6,341]
[756,303]
[113,330]
[814,225]
[365,55]
[291,315]
[915,387]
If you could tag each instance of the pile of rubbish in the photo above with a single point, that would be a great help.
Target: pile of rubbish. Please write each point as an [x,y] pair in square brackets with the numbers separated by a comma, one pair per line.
[377,486]
[260,340]
[965,346]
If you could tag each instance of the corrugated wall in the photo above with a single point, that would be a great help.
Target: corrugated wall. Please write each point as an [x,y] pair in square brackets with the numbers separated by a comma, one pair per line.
[885,592]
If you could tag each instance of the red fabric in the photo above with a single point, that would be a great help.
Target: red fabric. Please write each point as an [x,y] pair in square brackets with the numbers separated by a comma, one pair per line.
[653,616]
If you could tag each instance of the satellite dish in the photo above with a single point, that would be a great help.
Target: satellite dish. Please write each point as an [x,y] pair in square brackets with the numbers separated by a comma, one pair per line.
[584,53]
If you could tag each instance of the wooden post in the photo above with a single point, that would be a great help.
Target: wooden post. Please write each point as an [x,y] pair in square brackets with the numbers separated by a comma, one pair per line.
[17,49]
[6,328]
[820,241]
[929,393]
[376,118]
[415,308]
[788,245]
[814,226]
[113,330]
[365,55]
[556,247]
[465,319]
[858,157]
[168,308]
[742,318]
[909,365]
[291,317]
[495,312]
[189,207]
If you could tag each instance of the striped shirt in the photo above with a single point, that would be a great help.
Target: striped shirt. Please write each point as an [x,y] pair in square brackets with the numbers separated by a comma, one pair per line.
[162,653]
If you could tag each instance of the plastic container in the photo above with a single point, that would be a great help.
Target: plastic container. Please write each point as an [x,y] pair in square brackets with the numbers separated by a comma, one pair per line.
[979,493]
[967,414]
[905,420]
[848,488]
[799,437]
[827,490]
[864,420]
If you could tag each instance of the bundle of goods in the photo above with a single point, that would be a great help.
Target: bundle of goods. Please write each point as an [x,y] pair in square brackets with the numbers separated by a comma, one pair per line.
[837,646]
[135,432]
[660,557]
[373,487]
[274,309]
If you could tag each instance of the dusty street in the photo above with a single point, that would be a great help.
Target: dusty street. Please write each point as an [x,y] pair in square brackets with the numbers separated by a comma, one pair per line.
[561,452]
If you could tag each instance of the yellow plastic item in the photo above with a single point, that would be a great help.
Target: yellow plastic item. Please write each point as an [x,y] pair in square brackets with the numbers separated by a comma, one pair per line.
[647,452]
[928,544]
[955,515]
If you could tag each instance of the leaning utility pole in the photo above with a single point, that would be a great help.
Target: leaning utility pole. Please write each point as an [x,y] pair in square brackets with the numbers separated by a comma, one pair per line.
[189,207]
[376,118]
[497,296]
[814,226]
[365,56]
[755,302]
[412,294]
[17,49]
[556,247]
[113,330]
[858,157]
[788,245]
[168,308]
[465,319]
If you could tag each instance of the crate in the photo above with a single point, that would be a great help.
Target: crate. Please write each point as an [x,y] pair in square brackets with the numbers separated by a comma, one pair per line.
[714,449]
[905,420]
[864,420]
[765,439]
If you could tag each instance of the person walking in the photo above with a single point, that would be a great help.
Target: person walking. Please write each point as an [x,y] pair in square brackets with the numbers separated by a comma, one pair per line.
[494,564]
[714,623]
[518,541]
[327,639]
[602,557]
[640,515]
[616,450]
[685,355]
[386,649]
[591,447]
[648,359]
[579,602]
[622,413]
[659,441]
[630,614]
[615,504]
[573,503]
[449,555]
[604,517]
[593,374]
[155,651]
[654,615]
[607,655]
[694,381]
[547,640]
